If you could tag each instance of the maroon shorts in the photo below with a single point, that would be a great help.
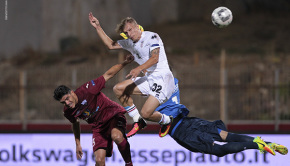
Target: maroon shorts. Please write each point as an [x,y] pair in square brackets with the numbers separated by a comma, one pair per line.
[102,139]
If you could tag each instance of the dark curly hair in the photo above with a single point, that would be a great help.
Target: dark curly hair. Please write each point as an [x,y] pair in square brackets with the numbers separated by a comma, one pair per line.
[60,91]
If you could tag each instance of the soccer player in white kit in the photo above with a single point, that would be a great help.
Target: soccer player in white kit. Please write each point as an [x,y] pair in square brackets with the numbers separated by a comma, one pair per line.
[157,82]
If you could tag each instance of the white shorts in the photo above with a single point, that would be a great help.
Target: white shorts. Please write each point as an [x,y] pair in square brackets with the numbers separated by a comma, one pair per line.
[158,84]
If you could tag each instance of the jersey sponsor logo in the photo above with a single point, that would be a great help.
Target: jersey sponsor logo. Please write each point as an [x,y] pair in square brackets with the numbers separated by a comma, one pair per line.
[84,102]
[137,54]
[88,114]
[87,86]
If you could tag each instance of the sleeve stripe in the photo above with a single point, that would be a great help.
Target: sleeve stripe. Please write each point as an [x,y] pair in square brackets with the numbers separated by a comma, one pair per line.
[155,45]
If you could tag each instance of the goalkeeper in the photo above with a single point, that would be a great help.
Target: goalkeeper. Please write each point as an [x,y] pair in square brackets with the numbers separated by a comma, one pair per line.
[199,135]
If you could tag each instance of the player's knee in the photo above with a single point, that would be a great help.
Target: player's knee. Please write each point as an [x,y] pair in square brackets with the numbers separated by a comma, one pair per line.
[218,150]
[145,115]
[118,89]
[100,161]
[220,154]
[117,137]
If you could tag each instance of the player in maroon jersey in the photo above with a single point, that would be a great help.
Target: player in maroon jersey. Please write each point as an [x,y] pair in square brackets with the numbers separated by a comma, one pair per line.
[105,116]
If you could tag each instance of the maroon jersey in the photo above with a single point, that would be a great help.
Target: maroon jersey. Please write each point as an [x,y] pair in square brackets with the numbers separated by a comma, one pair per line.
[93,106]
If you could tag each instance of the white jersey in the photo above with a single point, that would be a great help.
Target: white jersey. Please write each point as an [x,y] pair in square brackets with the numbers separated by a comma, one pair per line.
[141,50]
[158,81]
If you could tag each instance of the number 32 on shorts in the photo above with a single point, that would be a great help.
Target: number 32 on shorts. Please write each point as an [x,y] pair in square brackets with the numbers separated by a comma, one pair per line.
[156,88]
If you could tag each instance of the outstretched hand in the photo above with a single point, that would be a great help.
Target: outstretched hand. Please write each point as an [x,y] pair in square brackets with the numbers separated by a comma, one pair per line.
[134,73]
[93,20]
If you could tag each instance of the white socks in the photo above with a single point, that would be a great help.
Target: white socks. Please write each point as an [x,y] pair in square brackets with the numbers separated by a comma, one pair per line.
[164,119]
[133,112]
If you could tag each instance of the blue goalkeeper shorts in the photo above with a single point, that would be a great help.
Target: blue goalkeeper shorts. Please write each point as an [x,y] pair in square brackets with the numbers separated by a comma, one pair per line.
[196,134]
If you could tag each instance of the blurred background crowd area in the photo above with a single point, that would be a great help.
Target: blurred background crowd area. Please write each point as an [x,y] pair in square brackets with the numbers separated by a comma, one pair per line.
[240,74]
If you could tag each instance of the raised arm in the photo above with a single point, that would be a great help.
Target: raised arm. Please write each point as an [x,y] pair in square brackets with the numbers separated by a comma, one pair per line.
[116,68]
[104,37]
[76,130]
[150,62]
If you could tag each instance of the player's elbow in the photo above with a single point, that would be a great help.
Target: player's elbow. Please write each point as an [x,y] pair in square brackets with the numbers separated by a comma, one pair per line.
[107,76]
[112,45]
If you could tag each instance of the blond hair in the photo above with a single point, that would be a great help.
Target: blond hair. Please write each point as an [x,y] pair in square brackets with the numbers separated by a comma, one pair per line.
[120,27]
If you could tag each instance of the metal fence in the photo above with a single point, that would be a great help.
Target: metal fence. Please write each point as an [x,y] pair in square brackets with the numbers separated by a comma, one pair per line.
[236,93]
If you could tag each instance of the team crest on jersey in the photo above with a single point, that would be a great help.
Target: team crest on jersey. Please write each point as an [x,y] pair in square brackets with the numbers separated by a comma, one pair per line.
[153,37]
[142,43]
[87,113]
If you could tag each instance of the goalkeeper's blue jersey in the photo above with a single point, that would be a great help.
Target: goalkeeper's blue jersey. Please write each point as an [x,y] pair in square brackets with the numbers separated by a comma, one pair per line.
[172,106]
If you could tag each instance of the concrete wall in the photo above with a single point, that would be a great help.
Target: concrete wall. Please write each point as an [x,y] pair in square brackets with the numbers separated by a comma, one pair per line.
[40,24]
[23,27]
